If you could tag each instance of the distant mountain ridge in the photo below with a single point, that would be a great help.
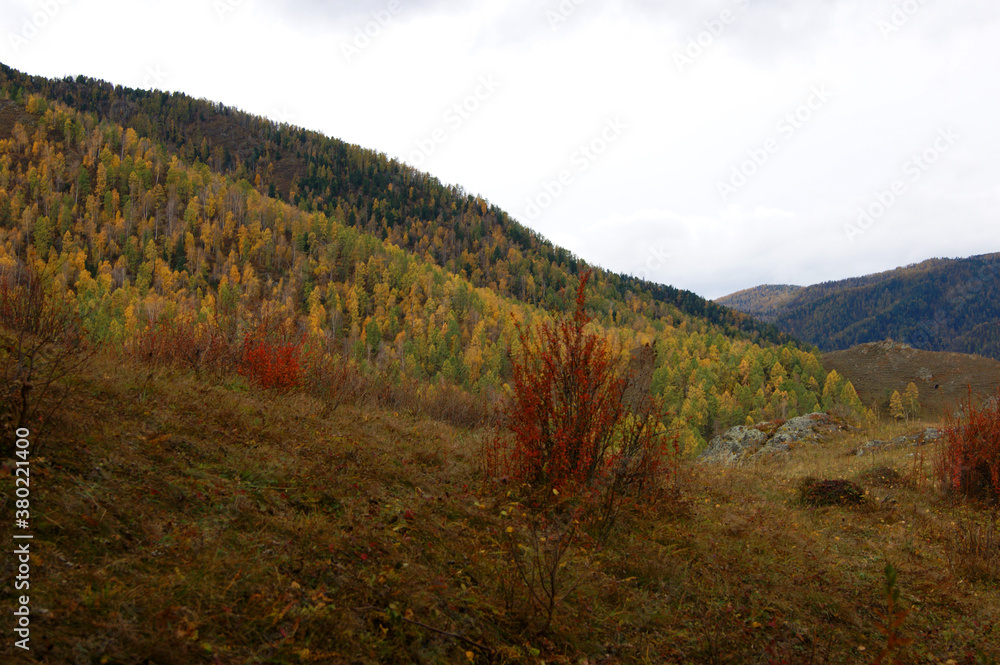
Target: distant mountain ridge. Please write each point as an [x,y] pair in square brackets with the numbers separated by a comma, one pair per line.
[763,302]
[936,305]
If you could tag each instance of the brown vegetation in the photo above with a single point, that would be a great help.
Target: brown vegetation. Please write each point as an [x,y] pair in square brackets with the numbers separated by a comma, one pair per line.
[201,520]
[942,378]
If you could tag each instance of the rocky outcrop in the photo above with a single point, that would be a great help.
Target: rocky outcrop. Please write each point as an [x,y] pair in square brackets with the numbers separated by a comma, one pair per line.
[922,438]
[741,444]
[734,445]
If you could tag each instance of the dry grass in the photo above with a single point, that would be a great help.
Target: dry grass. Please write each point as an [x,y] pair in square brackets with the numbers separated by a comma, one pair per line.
[941,377]
[182,521]
[974,550]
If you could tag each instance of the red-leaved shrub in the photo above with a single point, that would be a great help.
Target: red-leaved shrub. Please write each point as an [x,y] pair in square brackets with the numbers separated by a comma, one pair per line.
[574,420]
[270,361]
[968,460]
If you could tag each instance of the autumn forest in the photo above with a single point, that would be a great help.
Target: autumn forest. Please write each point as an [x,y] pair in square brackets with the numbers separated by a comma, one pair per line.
[362,261]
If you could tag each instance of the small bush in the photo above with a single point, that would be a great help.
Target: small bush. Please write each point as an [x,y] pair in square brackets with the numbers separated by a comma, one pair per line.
[542,563]
[830,492]
[330,378]
[270,365]
[892,621]
[266,351]
[271,352]
[183,342]
[575,423]
[449,403]
[42,344]
[968,460]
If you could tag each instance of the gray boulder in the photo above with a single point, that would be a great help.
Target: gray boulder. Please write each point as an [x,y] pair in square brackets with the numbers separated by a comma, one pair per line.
[803,428]
[734,445]
[741,444]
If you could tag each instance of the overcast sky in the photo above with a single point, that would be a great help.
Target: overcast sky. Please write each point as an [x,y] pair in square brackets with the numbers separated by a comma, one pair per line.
[711,145]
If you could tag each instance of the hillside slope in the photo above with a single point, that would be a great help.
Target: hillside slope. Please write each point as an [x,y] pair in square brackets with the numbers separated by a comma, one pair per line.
[174,522]
[762,302]
[157,250]
[936,305]
[943,378]
[363,189]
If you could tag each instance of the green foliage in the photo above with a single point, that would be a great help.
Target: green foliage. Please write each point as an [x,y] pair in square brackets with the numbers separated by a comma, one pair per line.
[911,400]
[840,397]
[43,235]
[363,189]
[896,408]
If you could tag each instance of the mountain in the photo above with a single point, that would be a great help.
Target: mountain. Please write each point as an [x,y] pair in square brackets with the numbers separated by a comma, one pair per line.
[761,302]
[170,223]
[936,305]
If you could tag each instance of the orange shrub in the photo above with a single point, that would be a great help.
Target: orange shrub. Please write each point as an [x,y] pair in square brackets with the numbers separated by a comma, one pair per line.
[270,363]
[968,460]
[570,422]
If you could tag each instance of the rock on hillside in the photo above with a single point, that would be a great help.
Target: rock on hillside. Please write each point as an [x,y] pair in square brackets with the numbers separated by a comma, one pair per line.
[740,444]
[924,437]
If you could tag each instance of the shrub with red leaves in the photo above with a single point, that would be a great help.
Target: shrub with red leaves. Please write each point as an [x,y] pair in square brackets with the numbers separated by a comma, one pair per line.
[968,460]
[574,419]
[269,363]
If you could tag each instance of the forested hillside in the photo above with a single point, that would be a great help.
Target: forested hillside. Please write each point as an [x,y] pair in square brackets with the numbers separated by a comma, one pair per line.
[764,302]
[936,305]
[363,189]
[142,235]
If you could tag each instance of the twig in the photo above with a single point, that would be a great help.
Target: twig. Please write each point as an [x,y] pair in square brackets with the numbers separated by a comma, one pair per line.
[51,520]
[457,636]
